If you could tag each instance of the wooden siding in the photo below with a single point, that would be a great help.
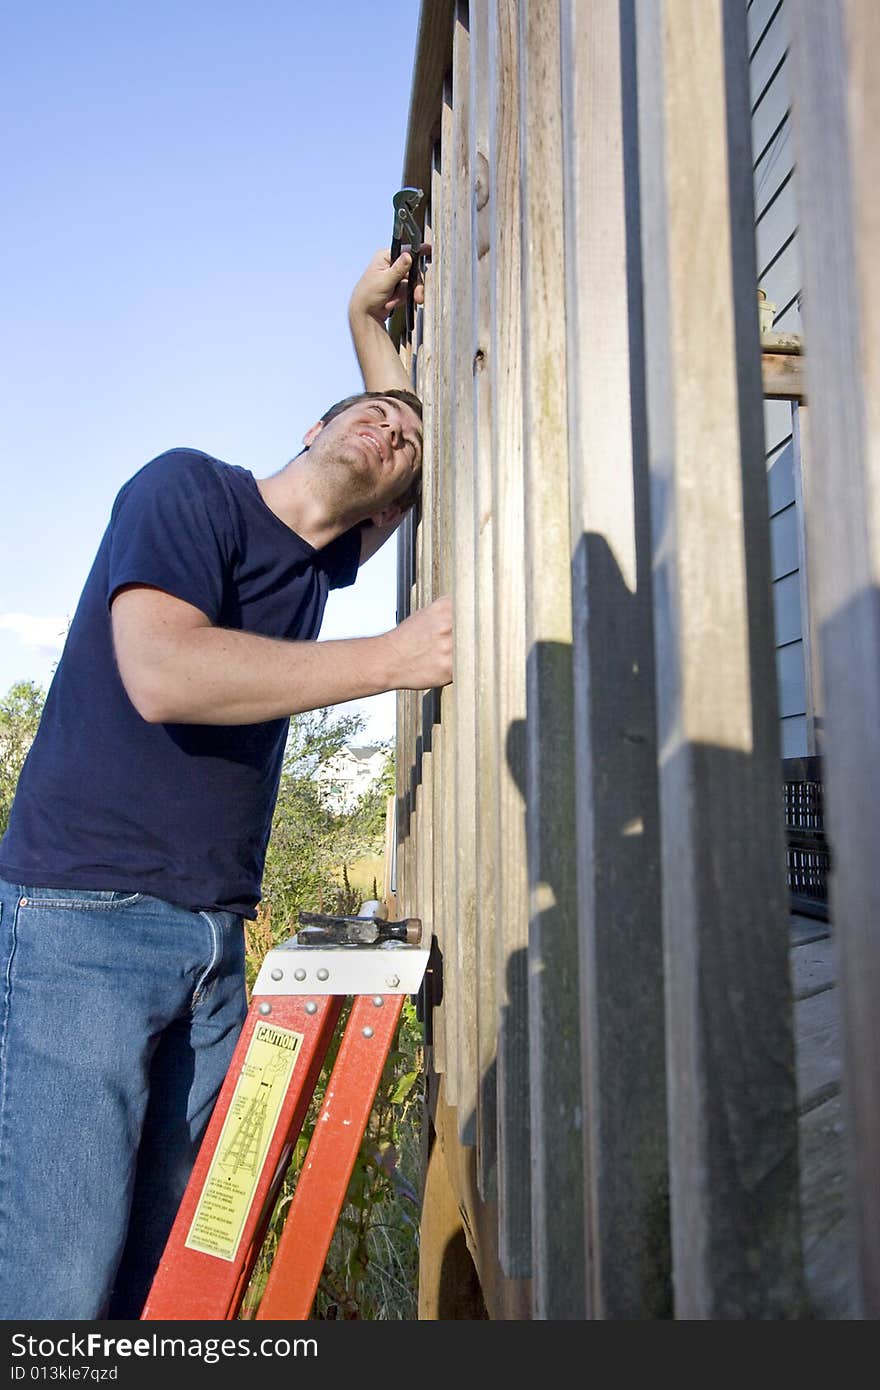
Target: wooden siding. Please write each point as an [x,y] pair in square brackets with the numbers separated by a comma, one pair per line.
[628,1044]
[779,275]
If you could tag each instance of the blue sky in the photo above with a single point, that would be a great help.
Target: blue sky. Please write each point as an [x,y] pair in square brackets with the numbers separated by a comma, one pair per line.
[191,189]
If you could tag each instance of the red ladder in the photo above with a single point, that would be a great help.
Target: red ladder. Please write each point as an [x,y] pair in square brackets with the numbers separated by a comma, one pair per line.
[224,1214]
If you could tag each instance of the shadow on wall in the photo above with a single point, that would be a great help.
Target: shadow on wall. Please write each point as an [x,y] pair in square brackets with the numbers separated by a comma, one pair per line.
[722,1047]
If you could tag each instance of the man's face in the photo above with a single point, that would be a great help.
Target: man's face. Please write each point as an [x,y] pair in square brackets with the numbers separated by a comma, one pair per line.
[379,445]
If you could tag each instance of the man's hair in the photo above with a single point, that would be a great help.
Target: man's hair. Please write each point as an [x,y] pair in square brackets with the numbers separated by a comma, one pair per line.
[408,397]
[408,498]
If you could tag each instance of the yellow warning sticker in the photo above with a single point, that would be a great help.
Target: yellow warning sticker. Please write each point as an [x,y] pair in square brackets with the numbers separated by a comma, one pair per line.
[247,1131]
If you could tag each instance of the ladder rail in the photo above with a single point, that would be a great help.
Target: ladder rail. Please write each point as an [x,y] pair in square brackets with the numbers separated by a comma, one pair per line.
[323,1182]
[194,1284]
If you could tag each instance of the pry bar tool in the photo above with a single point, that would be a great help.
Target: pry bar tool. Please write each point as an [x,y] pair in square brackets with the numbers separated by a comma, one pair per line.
[407,236]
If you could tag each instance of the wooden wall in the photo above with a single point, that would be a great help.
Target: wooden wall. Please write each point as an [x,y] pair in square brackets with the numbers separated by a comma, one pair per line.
[589,820]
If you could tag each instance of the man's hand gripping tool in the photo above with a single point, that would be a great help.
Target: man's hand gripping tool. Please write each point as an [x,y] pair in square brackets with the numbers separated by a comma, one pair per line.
[407,236]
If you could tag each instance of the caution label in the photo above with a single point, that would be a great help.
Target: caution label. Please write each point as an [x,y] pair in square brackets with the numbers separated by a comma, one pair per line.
[223,1208]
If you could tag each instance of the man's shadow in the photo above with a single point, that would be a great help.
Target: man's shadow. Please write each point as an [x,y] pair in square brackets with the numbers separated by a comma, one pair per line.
[582,1018]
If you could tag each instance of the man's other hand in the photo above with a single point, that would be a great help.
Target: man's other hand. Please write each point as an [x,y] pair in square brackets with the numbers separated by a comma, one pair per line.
[383,286]
[421,647]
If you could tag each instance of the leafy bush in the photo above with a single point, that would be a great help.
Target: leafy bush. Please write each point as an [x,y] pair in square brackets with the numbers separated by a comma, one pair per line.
[20,711]
[311,847]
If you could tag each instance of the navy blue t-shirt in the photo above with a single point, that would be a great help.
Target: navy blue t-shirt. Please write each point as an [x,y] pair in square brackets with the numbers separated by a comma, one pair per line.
[177,811]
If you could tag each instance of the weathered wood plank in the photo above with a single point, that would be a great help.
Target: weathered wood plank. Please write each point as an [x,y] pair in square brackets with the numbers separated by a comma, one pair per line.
[813,967]
[805,929]
[426,560]
[817,1035]
[404,754]
[615,751]
[827,1234]
[460,700]
[449,1286]
[409,701]
[505,1299]
[486,734]
[408,745]
[783,376]
[782,343]
[837,128]
[514,1142]
[732,1100]
[408,750]
[558,1245]
[442,815]
[433,46]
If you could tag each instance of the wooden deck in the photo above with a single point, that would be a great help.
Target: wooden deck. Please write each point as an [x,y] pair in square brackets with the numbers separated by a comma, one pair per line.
[827,1241]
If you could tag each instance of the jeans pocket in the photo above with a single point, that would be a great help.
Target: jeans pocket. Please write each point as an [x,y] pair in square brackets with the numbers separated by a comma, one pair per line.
[79,899]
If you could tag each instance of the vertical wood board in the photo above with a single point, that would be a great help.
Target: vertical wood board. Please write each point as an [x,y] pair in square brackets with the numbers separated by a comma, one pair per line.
[558,1258]
[730,1061]
[462,726]
[514,1140]
[486,733]
[836,112]
[615,737]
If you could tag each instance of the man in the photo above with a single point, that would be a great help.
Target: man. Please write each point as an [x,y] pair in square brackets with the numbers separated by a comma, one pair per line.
[138,833]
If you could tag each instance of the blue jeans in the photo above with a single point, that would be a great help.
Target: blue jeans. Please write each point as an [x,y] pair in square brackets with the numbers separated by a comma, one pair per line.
[119,1015]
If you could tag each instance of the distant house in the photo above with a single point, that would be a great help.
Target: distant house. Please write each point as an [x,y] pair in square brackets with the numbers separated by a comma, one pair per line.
[344,778]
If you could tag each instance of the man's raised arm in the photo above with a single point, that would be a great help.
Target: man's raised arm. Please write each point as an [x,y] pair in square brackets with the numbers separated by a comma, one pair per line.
[376,295]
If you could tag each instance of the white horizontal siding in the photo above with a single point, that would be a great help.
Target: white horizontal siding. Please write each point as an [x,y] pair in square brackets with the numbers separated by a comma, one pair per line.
[775,227]
[791,681]
[760,14]
[787,609]
[781,280]
[769,113]
[793,736]
[779,275]
[767,57]
[774,168]
[784,542]
[780,477]
[777,425]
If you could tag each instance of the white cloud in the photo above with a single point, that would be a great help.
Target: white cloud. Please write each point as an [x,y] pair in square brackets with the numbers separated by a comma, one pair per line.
[41,634]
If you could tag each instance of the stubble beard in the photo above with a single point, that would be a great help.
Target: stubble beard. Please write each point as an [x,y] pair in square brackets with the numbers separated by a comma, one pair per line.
[349,480]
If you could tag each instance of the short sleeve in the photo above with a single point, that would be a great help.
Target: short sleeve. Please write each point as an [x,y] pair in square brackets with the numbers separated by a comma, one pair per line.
[171,529]
[341,558]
